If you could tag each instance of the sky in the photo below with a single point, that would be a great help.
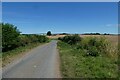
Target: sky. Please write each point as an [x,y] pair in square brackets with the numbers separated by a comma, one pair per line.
[60,0]
[59,17]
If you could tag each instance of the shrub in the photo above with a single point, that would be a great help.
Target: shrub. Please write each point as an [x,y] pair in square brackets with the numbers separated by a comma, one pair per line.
[94,46]
[93,51]
[103,45]
[42,38]
[71,39]
[24,40]
[92,42]
[100,43]
[10,35]
[33,38]
[60,38]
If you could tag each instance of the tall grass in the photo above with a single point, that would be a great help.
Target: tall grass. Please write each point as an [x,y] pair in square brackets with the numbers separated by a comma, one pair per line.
[92,57]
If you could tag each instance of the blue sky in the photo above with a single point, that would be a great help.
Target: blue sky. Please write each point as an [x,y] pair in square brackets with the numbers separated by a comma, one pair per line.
[82,17]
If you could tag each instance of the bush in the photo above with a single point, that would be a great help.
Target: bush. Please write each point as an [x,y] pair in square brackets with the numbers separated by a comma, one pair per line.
[93,51]
[32,38]
[24,40]
[10,37]
[42,38]
[94,46]
[92,42]
[71,39]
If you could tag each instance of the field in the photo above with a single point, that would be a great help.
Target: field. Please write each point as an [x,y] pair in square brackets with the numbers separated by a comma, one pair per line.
[112,38]
[56,36]
[75,64]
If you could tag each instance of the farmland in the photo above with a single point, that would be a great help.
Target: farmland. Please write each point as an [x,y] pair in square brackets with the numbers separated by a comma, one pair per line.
[61,39]
[83,56]
[113,38]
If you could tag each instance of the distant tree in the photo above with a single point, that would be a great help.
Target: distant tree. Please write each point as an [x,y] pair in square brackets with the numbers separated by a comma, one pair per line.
[106,34]
[92,34]
[97,33]
[63,34]
[49,33]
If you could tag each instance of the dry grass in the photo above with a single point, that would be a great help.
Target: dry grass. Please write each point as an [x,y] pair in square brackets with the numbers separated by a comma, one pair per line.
[56,36]
[112,38]
[75,65]
[113,48]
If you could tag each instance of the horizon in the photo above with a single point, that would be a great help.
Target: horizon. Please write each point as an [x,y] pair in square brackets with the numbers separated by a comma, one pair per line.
[74,33]
[62,17]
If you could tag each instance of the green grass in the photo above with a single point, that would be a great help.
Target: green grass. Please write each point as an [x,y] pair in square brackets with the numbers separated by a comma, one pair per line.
[74,64]
[7,57]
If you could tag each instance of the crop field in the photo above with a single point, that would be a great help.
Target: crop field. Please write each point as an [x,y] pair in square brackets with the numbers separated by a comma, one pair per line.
[94,56]
[56,36]
[112,38]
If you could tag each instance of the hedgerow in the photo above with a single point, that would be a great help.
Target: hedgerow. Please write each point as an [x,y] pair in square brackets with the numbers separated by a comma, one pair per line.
[92,46]
[11,37]
[71,39]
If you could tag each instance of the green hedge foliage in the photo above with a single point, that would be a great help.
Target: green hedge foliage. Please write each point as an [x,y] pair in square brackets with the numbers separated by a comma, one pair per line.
[71,39]
[92,46]
[11,37]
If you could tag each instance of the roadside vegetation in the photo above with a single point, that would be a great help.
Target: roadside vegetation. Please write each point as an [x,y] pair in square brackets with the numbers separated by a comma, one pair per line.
[14,43]
[88,57]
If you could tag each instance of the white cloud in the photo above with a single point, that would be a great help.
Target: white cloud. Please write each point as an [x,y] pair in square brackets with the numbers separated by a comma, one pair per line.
[113,25]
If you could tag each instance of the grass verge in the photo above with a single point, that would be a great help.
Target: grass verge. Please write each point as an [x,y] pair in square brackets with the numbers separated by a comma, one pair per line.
[9,56]
[74,64]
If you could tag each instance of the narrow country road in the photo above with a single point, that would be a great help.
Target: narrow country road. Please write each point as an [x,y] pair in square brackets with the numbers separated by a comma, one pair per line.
[41,62]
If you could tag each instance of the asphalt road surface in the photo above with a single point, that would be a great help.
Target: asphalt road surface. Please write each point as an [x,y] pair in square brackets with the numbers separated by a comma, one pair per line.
[41,62]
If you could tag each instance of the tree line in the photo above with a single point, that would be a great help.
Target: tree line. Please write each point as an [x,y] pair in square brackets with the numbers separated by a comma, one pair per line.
[95,34]
[12,37]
